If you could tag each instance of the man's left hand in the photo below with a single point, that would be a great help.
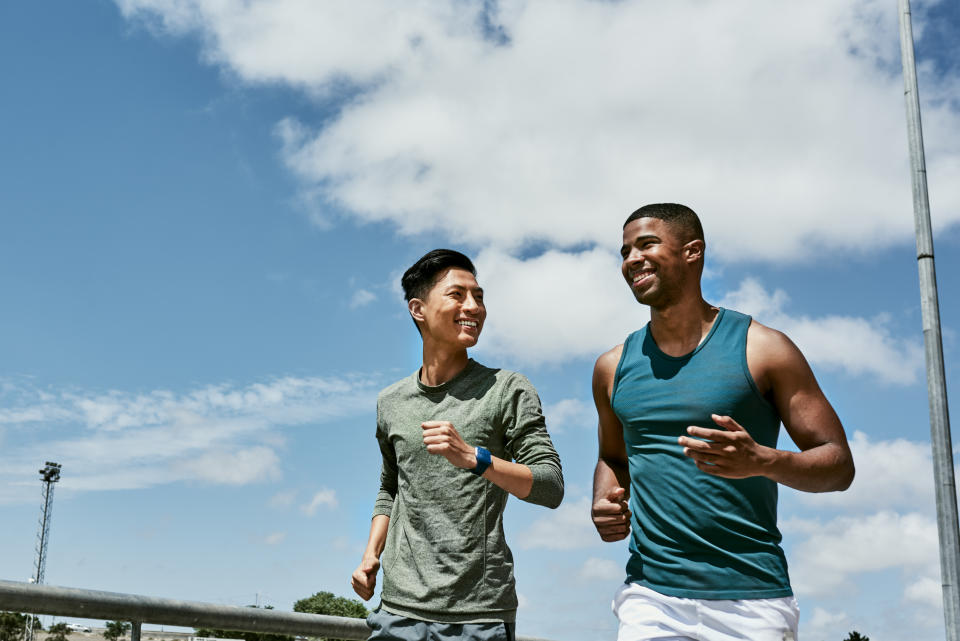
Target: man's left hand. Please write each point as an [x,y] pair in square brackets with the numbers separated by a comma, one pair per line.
[729,452]
[442,438]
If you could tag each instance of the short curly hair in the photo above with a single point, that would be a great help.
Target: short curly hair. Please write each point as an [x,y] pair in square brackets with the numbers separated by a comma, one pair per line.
[680,217]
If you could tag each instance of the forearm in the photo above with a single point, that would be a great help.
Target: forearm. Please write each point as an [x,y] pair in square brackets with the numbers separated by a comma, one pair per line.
[608,475]
[378,536]
[824,468]
[515,478]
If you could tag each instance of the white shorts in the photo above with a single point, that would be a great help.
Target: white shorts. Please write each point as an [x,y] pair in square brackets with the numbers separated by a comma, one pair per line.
[647,615]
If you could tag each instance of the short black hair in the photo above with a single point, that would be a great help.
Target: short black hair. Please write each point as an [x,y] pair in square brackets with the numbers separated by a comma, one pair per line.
[681,217]
[422,275]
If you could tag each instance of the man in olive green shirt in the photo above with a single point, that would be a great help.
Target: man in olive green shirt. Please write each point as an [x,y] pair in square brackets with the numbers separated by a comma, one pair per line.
[449,434]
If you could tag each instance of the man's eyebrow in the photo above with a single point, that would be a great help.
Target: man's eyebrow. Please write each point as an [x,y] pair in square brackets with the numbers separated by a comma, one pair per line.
[463,288]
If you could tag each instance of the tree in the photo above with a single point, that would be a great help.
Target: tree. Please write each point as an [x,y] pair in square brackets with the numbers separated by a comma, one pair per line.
[331,605]
[115,629]
[12,625]
[58,632]
[856,636]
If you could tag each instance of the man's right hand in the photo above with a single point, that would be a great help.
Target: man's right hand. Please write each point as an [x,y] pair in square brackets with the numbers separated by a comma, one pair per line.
[611,515]
[364,578]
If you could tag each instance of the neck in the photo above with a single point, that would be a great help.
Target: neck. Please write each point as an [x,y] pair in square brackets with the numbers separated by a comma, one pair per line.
[679,327]
[440,365]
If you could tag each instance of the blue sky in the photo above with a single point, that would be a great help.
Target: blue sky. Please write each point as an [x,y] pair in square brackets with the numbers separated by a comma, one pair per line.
[206,208]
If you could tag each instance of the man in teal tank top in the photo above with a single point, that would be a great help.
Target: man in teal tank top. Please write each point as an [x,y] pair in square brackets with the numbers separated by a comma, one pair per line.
[690,408]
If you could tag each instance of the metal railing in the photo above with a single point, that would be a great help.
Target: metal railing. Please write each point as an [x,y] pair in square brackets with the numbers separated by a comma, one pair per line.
[93,604]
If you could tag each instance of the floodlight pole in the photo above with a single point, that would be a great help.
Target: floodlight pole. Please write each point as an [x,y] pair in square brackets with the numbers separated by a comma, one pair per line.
[50,474]
[946,489]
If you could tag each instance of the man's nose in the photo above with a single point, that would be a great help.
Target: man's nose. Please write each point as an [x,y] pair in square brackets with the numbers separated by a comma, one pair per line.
[471,303]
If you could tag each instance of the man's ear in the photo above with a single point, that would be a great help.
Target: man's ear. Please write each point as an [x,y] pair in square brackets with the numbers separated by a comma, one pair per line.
[693,251]
[415,305]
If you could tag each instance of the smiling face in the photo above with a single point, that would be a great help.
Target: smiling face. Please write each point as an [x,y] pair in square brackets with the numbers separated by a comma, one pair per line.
[657,264]
[452,312]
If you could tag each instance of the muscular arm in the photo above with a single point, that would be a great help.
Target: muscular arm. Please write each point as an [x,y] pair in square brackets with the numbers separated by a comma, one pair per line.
[611,478]
[824,462]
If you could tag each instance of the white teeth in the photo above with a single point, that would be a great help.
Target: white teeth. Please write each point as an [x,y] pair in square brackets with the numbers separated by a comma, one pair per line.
[467,323]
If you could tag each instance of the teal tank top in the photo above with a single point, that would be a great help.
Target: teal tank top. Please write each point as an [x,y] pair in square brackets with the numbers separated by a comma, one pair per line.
[695,535]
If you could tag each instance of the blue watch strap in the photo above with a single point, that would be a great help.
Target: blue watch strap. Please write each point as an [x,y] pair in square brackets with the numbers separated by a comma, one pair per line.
[483,461]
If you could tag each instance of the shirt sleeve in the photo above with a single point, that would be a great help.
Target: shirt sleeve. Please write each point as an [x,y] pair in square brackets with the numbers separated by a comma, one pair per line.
[528,442]
[388,470]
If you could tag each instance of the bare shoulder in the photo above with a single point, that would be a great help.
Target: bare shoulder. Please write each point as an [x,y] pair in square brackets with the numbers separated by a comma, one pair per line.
[606,365]
[770,344]
[771,355]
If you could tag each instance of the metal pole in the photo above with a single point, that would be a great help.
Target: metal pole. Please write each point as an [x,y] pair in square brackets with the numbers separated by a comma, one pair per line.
[946,489]
[134,631]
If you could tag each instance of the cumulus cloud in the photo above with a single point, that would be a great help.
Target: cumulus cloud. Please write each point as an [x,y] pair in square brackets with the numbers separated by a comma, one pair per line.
[572,519]
[569,413]
[556,306]
[783,125]
[597,569]
[895,474]
[323,498]
[854,345]
[825,562]
[825,624]
[226,434]
[926,591]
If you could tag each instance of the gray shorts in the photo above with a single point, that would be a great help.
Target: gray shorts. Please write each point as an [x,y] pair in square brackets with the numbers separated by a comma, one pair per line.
[392,627]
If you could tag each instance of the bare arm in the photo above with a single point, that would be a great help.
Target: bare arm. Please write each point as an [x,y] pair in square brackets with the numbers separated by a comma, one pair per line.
[611,478]
[824,463]
[364,579]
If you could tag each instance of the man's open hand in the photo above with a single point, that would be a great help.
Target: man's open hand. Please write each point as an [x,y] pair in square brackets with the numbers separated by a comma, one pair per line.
[611,515]
[364,579]
[729,452]
[442,438]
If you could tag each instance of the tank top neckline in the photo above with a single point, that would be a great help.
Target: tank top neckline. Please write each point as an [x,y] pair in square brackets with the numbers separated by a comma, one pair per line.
[659,353]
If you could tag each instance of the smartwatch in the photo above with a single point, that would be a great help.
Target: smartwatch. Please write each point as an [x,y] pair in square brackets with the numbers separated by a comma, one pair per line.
[483,461]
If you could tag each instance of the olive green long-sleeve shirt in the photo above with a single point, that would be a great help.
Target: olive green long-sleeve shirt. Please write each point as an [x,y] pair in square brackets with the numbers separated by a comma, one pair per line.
[445,557]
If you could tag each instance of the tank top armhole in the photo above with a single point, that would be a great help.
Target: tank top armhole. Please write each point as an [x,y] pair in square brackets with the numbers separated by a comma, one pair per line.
[623,357]
[746,367]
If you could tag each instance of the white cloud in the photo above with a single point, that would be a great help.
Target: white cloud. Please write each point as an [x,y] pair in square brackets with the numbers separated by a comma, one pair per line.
[233,468]
[116,440]
[362,297]
[275,539]
[556,306]
[855,345]
[926,591]
[569,413]
[597,569]
[283,499]
[572,518]
[895,474]
[833,553]
[325,497]
[824,624]
[783,125]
